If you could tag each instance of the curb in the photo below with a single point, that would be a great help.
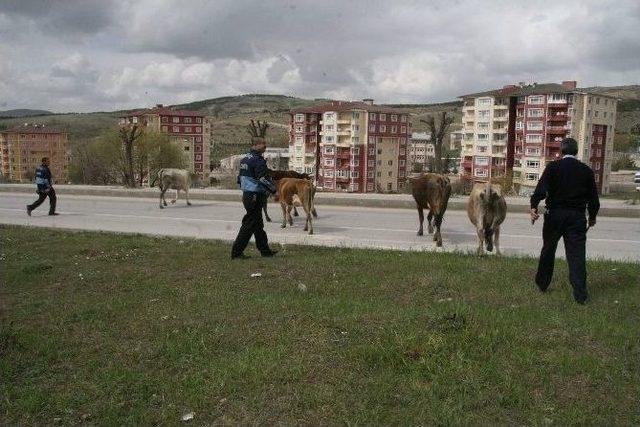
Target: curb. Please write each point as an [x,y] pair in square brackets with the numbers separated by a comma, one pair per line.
[321,199]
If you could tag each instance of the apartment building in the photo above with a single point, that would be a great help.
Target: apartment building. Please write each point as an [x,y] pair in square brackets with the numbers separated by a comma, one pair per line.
[518,130]
[190,129]
[420,151]
[23,147]
[350,146]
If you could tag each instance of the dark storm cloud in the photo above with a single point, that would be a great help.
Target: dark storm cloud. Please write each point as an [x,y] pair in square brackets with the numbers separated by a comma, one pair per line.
[137,52]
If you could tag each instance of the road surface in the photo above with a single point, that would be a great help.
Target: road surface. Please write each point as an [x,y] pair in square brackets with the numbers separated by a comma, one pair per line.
[612,238]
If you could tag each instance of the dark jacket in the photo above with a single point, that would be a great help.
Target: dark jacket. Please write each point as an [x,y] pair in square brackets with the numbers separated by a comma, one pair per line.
[567,184]
[44,180]
[254,174]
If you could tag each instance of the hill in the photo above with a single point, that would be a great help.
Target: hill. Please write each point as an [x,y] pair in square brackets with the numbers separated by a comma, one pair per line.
[23,113]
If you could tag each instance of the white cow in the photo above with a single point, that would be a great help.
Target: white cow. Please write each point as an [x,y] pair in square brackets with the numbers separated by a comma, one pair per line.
[487,209]
[176,179]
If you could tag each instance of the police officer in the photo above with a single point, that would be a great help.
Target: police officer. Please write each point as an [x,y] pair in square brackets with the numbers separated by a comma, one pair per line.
[569,187]
[44,183]
[256,186]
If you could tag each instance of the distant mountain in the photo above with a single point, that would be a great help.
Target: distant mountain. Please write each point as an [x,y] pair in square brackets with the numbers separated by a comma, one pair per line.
[23,113]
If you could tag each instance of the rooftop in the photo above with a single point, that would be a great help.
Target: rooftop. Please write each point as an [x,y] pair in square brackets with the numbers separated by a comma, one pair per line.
[522,89]
[34,128]
[338,106]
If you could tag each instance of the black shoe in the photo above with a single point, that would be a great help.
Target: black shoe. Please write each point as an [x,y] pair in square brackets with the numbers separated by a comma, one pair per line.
[29,210]
[241,256]
[269,254]
[583,301]
[53,214]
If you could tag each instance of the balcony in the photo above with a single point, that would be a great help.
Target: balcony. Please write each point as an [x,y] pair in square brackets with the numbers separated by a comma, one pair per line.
[558,117]
[500,118]
[556,130]
[343,121]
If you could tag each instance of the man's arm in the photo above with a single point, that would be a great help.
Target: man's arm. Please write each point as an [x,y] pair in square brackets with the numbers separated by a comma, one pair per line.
[262,174]
[540,193]
[593,204]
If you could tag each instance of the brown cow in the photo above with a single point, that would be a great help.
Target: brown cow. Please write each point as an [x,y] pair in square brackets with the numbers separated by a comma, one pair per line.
[487,209]
[277,175]
[293,190]
[431,191]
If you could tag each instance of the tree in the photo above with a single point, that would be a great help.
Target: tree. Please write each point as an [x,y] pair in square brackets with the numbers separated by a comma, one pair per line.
[438,131]
[162,152]
[129,136]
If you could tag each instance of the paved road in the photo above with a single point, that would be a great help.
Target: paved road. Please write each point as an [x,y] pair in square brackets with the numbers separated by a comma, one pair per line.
[613,238]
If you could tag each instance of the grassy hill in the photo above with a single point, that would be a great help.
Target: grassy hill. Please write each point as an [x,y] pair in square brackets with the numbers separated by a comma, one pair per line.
[22,112]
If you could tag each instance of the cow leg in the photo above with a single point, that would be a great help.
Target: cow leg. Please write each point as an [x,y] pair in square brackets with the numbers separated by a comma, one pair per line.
[187,196]
[284,214]
[162,199]
[295,211]
[420,219]
[314,213]
[289,217]
[496,239]
[175,199]
[437,236]
[429,219]
[480,230]
[480,250]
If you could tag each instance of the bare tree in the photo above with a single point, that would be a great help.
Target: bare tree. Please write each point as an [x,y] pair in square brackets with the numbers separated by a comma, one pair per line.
[129,135]
[438,131]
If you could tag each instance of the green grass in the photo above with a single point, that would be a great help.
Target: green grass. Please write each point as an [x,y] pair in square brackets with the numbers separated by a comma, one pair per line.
[129,330]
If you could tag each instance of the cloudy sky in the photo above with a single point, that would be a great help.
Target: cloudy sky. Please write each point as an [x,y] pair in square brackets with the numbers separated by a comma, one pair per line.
[89,55]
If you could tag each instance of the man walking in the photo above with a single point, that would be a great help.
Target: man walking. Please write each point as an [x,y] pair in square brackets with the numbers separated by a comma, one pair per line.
[569,187]
[44,182]
[256,186]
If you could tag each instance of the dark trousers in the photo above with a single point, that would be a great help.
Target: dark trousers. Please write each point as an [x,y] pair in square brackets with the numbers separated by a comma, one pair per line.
[41,196]
[571,225]
[252,224]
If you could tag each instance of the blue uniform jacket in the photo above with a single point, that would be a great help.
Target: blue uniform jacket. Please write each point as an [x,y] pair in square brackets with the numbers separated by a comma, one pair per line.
[43,178]
[254,175]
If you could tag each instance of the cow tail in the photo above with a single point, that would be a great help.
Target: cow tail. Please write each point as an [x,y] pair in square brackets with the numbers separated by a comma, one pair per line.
[488,238]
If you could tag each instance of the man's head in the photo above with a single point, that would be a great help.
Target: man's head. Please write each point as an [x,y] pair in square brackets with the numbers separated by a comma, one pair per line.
[45,161]
[569,146]
[259,144]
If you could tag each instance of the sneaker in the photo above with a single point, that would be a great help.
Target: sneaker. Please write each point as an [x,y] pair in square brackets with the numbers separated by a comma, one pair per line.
[269,254]
[241,256]
[29,211]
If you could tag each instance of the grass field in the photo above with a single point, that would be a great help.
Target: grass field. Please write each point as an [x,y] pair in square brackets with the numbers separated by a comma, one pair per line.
[111,329]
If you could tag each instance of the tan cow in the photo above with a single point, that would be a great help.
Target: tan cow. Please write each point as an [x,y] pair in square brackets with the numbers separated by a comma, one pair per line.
[487,209]
[299,192]
[431,191]
[177,179]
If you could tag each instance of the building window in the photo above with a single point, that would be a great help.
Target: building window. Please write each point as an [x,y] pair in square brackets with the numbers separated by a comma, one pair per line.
[383,128]
[328,162]
[355,150]
[187,129]
[328,173]
[198,119]
[390,162]
[394,117]
[483,102]
[383,117]
[394,129]
[355,162]
[534,164]
[483,114]
[370,186]
[187,119]
[401,163]
[596,112]
[480,173]
[482,161]
[329,149]
[355,174]
[355,115]
[481,149]
[372,128]
[372,116]
[372,151]
[372,163]
[165,119]
[175,120]
[176,129]
[327,138]
[199,130]
[299,117]
[329,116]
[532,151]
[483,137]
[379,174]
[535,99]
[401,174]
[534,138]
[535,112]
[531,177]
[483,126]
[537,125]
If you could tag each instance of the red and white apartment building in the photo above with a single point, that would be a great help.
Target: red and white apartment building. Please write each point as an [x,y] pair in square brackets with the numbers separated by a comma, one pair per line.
[354,147]
[518,129]
[190,129]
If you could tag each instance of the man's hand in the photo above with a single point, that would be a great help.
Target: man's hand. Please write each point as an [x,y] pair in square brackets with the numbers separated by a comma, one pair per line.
[534,215]
[592,222]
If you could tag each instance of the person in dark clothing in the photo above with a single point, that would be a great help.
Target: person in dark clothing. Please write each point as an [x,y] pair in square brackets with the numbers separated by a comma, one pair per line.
[569,187]
[44,183]
[256,186]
